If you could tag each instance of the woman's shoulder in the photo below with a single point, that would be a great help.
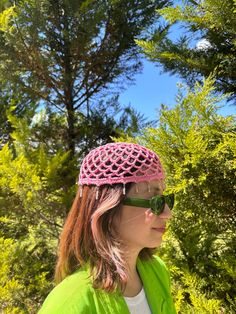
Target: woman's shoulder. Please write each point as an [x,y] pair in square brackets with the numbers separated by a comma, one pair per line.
[72,295]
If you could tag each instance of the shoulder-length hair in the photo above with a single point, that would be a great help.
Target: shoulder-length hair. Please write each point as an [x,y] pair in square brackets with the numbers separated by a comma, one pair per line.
[88,236]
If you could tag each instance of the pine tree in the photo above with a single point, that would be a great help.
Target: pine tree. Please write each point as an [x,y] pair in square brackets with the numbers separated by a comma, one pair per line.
[210,22]
[63,54]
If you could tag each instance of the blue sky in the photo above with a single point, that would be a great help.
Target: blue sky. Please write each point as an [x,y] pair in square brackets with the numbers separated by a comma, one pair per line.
[152,89]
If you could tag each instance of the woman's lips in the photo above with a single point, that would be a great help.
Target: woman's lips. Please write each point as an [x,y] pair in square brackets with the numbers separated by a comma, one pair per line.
[161,229]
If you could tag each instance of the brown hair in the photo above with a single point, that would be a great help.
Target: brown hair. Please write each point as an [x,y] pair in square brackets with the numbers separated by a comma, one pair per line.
[88,236]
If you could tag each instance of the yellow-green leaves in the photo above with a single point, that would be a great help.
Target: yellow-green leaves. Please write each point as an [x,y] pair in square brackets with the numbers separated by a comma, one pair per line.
[171,14]
[10,286]
[18,174]
[5,18]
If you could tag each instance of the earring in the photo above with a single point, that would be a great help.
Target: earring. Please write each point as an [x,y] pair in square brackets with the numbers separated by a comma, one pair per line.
[97,191]
[136,187]
[80,191]
[149,188]
[124,188]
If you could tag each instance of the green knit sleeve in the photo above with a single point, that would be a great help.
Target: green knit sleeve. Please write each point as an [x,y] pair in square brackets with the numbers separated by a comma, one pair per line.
[73,295]
[76,303]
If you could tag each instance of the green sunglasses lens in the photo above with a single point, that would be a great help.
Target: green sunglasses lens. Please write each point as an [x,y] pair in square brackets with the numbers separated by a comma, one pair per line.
[170,199]
[157,203]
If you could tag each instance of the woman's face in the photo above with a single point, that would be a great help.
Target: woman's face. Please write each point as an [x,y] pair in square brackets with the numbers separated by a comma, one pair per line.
[138,227]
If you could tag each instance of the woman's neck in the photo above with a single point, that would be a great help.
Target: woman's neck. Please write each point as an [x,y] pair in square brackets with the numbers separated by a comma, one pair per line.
[134,283]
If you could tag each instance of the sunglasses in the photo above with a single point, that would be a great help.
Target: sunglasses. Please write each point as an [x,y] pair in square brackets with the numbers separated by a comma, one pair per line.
[156,203]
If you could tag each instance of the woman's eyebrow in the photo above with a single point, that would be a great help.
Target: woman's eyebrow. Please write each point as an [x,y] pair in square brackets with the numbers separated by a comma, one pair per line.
[156,189]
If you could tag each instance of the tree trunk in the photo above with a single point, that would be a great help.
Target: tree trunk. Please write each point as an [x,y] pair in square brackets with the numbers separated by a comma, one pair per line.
[68,89]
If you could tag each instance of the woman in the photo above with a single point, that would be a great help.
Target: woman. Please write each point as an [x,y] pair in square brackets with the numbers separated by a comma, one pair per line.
[106,260]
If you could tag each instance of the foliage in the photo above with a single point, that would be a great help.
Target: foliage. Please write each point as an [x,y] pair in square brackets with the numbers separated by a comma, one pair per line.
[65,54]
[17,103]
[5,18]
[35,196]
[212,23]
[25,275]
[198,147]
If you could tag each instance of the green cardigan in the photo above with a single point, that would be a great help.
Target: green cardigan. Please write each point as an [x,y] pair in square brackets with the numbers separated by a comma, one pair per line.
[75,294]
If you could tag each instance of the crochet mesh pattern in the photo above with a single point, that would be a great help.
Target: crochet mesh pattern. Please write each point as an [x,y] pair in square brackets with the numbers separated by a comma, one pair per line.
[120,163]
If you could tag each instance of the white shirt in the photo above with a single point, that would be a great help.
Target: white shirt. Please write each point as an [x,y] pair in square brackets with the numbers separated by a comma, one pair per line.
[138,304]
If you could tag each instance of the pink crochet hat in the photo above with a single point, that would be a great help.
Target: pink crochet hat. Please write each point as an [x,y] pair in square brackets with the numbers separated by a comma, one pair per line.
[120,163]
